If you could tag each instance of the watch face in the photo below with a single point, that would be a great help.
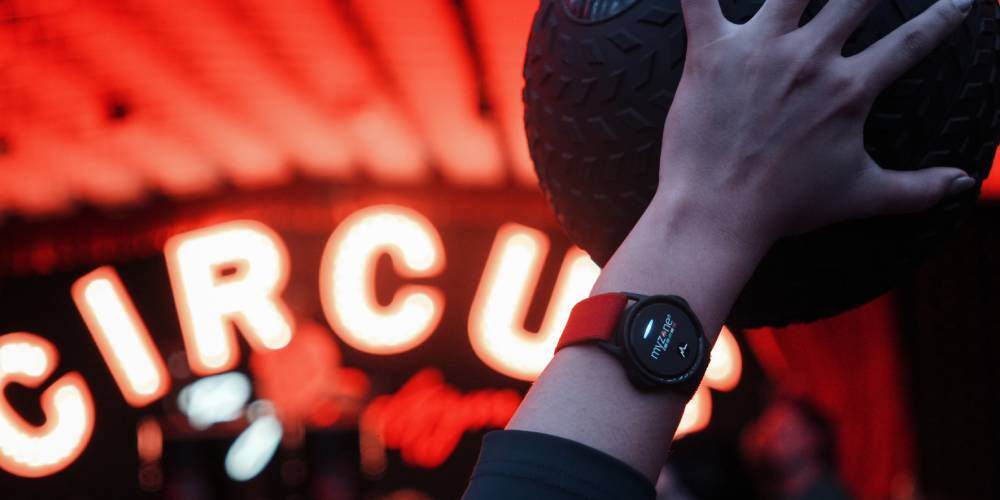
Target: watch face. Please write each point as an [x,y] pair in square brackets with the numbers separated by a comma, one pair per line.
[664,340]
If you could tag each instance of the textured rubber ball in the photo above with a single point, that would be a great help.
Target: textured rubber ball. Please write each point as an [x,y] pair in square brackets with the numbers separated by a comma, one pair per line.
[599,79]
[596,10]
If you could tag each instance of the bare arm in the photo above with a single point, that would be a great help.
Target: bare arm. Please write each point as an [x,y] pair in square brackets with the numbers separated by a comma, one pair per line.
[764,139]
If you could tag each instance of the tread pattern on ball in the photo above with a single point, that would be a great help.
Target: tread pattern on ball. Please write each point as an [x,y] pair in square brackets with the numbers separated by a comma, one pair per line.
[596,97]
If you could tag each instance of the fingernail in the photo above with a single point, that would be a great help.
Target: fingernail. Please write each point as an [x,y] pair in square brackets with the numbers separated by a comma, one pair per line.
[961,185]
[963,5]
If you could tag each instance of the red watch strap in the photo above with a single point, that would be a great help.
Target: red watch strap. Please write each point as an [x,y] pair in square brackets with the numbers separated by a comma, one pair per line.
[593,319]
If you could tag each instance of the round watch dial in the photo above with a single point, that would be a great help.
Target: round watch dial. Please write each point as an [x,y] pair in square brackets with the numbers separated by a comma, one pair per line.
[663,340]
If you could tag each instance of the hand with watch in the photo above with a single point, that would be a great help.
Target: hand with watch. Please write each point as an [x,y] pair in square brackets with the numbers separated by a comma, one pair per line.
[764,139]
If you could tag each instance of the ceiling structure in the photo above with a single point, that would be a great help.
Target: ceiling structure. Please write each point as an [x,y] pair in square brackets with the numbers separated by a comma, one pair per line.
[107,103]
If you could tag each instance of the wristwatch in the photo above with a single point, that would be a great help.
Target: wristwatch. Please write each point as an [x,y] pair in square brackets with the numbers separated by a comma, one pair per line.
[657,338]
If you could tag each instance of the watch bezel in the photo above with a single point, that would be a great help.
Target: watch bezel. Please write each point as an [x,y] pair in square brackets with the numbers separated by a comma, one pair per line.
[640,375]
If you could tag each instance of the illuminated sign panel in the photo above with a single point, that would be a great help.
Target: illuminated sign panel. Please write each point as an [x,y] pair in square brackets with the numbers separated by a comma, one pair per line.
[232,280]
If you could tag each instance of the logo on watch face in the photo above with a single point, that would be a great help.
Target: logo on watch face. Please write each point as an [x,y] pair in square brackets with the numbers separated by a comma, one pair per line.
[663,341]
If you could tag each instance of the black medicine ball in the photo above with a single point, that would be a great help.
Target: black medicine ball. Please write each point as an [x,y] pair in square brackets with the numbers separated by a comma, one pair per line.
[600,76]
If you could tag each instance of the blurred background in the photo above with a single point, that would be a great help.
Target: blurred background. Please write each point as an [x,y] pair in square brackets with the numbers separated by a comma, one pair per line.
[296,250]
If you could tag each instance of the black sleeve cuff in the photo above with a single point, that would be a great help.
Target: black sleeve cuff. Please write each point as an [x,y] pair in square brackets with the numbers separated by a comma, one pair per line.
[519,464]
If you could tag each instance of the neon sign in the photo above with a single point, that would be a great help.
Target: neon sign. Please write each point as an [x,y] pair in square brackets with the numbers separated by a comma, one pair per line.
[230,277]
[501,303]
[210,301]
[426,418]
[347,276]
[121,337]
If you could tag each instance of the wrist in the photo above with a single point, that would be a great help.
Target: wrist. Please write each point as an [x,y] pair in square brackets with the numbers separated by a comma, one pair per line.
[681,246]
[723,218]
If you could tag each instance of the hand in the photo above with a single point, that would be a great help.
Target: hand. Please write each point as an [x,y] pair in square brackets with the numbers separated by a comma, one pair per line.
[765,134]
[764,138]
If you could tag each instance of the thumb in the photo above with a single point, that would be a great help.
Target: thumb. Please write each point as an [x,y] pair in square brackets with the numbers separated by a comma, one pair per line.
[899,192]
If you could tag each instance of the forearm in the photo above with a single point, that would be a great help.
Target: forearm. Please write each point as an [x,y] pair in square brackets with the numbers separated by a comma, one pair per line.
[584,395]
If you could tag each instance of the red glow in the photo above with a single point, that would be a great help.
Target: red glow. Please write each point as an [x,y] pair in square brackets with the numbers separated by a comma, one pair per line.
[305,380]
[29,451]
[423,42]
[189,121]
[149,439]
[207,32]
[346,83]
[991,188]
[503,28]
[426,418]
[92,175]
[215,92]
[121,336]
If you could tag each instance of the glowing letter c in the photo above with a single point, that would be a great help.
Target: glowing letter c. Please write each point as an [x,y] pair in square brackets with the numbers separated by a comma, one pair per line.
[27,450]
[347,279]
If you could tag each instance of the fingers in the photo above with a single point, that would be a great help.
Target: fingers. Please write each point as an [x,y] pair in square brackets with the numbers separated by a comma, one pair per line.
[703,19]
[781,16]
[908,45]
[839,18]
[899,192]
